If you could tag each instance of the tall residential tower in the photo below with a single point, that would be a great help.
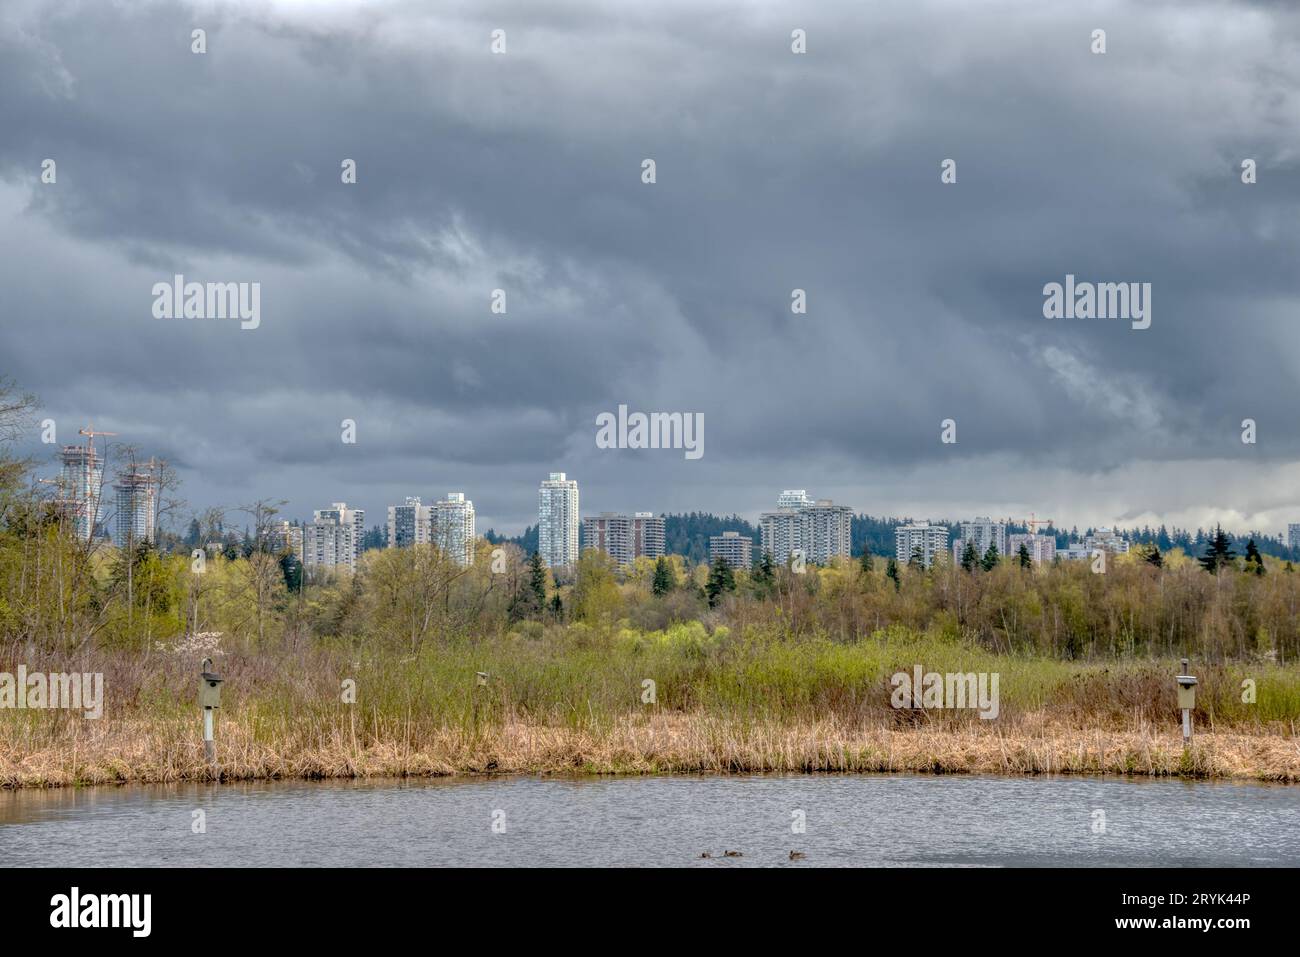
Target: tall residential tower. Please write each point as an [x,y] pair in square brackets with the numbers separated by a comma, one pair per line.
[557,521]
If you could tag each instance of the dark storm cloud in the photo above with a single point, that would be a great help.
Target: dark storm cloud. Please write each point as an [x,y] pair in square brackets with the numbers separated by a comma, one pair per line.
[775,171]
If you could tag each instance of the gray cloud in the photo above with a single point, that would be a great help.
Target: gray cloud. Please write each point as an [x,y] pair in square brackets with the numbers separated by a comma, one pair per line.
[775,171]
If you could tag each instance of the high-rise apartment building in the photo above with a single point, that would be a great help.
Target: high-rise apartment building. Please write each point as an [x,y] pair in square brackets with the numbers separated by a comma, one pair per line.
[793,498]
[1293,535]
[1041,548]
[735,549]
[333,538]
[557,521]
[820,529]
[452,527]
[1102,540]
[625,538]
[135,507]
[827,530]
[409,524]
[932,540]
[981,533]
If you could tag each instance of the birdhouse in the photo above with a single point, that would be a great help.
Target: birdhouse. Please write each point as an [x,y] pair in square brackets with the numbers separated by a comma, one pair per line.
[1186,692]
[209,686]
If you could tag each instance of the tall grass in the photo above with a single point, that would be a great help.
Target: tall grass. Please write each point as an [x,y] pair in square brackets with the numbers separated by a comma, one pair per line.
[566,698]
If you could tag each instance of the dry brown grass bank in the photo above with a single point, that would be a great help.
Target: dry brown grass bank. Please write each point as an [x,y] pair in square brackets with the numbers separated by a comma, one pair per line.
[99,752]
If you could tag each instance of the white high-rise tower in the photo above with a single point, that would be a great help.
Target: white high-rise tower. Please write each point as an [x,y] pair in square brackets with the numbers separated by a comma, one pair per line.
[557,521]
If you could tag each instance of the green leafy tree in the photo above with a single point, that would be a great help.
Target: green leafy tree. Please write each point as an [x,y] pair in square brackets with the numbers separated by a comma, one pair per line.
[596,598]
[721,581]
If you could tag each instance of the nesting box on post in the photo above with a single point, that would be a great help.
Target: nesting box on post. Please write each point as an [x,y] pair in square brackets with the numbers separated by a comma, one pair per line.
[1186,699]
[209,700]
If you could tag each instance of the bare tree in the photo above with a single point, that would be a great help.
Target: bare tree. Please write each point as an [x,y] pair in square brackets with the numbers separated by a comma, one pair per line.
[264,572]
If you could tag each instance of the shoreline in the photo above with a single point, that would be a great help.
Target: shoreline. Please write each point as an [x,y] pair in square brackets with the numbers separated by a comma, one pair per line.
[249,749]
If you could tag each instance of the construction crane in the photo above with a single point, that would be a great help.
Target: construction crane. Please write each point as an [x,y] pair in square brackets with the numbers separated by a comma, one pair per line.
[89,430]
[1033,523]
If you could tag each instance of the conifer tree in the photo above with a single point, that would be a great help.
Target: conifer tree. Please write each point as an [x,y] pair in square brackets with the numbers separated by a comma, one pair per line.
[1218,552]
[969,558]
[665,579]
[536,583]
[721,581]
[990,560]
[1254,560]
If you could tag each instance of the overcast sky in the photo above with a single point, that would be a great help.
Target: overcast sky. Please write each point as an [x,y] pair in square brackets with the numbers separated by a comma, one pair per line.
[775,171]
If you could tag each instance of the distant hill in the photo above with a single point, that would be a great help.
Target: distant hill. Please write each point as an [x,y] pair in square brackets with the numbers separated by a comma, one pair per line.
[527,541]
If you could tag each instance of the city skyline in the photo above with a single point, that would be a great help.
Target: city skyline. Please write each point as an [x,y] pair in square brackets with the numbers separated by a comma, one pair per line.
[418,520]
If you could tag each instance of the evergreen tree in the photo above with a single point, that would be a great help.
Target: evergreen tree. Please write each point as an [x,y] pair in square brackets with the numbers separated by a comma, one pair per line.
[891,572]
[721,581]
[291,569]
[866,561]
[990,560]
[1254,558]
[1024,557]
[665,579]
[1154,557]
[1218,552]
[529,598]
[557,607]
[918,558]
[537,577]
[969,557]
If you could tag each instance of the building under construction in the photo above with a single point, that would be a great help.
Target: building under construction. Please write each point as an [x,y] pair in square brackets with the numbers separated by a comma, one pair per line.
[137,497]
[80,484]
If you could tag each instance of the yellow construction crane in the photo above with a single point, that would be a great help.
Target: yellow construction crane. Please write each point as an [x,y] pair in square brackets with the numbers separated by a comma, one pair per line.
[89,430]
[1033,523]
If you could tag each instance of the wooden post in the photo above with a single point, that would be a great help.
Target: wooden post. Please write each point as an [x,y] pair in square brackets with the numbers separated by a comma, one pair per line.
[209,745]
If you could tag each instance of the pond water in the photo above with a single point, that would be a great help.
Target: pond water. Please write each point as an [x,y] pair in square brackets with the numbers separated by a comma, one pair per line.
[847,820]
